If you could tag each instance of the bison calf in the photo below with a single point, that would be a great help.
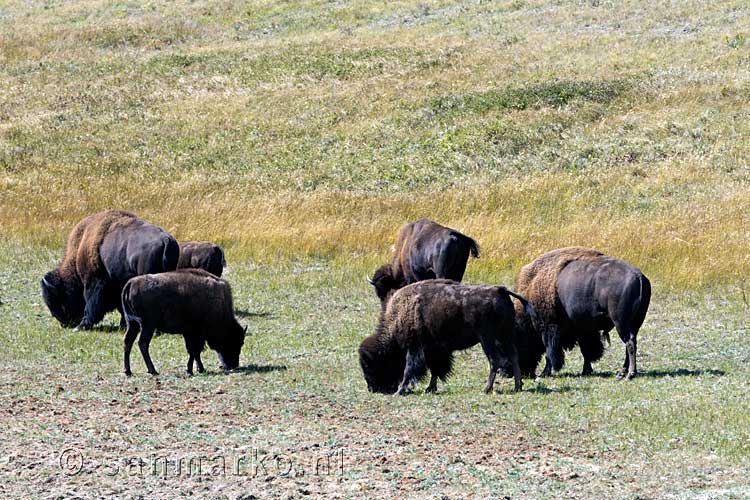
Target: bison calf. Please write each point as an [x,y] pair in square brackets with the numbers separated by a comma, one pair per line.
[423,324]
[202,255]
[190,302]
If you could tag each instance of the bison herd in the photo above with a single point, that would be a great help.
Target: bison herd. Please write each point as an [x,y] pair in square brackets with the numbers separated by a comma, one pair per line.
[566,297]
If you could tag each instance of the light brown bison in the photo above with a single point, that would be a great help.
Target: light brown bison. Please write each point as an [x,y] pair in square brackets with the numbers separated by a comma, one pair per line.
[424,250]
[190,302]
[579,295]
[104,251]
[422,325]
[202,255]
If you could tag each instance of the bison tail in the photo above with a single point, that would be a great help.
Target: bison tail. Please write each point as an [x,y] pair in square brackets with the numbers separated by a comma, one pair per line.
[223,258]
[473,246]
[127,310]
[528,309]
[640,305]
[171,255]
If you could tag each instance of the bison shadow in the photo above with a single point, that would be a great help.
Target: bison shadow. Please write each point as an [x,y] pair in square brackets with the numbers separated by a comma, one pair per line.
[543,389]
[677,372]
[241,313]
[681,372]
[108,328]
[248,369]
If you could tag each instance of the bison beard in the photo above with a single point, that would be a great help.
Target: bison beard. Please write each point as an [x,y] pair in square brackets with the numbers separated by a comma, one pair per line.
[580,295]
[423,324]
[99,259]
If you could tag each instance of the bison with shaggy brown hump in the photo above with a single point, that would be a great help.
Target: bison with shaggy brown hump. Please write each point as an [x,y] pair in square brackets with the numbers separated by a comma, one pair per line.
[202,255]
[579,295]
[423,324]
[104,251]
[424,250]
[190,302]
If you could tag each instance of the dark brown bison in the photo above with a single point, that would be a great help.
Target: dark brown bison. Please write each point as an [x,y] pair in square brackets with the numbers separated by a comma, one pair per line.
[424,250]
[202,255]
[424,323]
[104,251]
[190,302]
[579,295]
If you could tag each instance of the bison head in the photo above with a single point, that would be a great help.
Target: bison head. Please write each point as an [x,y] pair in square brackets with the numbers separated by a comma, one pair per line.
[229,350]
[64,298]
[382,364]
[385,282]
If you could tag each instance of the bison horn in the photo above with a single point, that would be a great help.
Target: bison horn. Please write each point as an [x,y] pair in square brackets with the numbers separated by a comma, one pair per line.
[46,283]
[369,280]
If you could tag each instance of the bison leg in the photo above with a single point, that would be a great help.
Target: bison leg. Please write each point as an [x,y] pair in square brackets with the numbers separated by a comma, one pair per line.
[415,369]
[123,322]
[629,338]
[510,351]
[553,346]
[592,349]
[490,350]
[625,364]
[631,349]
[143,342]
[194,349]
[130,334]
[432,388]
[516,368]
[191,357]
[93,312]
[490,347]
[547,371]
[440,365]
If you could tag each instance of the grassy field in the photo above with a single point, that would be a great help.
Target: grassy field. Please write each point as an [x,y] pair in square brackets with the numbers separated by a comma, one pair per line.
[300,135]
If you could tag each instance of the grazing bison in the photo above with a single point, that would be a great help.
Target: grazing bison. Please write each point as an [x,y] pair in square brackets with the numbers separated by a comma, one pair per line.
[104,251]
[190,302]
[422,324]
[580,295]
[202,255]
[424,250]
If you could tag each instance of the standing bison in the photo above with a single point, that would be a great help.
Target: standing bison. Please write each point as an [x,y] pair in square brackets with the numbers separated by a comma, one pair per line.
[190,302]
[202,255]
[580,295]
[425,250]
[421,325]
[103,252]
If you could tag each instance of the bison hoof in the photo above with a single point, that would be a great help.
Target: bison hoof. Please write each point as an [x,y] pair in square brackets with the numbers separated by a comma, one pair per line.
[631,375]
[154,373]
[586,372]
[621,374]
[128,373]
